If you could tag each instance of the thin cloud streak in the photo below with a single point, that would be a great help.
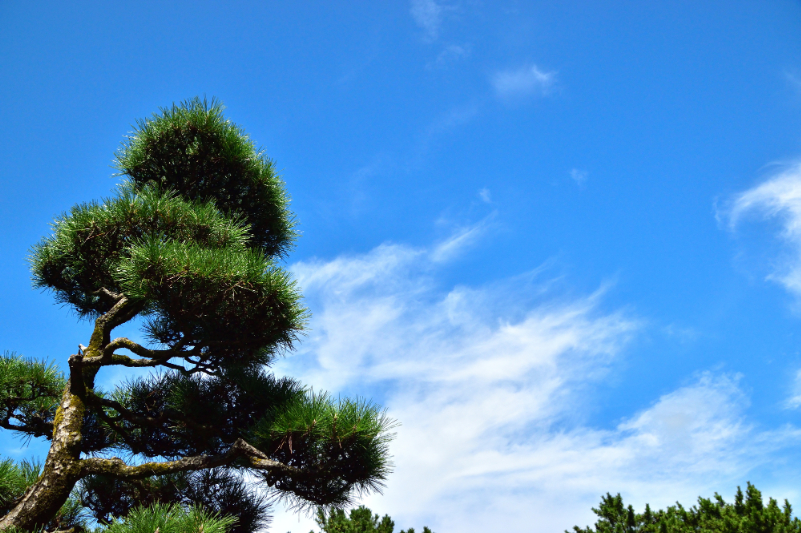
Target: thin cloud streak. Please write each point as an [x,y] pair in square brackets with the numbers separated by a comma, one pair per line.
[794,401]
[459,241]
[452,54]
[490,385]
[525,81]
[427,15]
[777,198]
[794,80]
[579,176]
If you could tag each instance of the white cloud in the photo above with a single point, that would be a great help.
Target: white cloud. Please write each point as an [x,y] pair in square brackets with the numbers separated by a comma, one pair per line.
[794,401]
[793,79]
[484,194]
[427,15]
[490,384]
[441,126]
[525,81]
[459,241]
[451,54]
[778,198]
[579,176]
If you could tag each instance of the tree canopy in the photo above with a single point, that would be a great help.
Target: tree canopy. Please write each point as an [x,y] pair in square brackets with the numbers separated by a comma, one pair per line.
[747,514]
[189,247]
[360,520]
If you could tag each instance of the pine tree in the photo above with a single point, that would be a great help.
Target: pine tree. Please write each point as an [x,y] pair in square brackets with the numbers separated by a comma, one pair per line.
[191,247]
[747,514]
[360,520]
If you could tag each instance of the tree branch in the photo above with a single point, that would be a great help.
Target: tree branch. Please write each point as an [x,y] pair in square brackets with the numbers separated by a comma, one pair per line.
[138,349]
[109,296]
[41,429]
[240,449]
[154,357]
[124,360]
[76,383]
[140,420]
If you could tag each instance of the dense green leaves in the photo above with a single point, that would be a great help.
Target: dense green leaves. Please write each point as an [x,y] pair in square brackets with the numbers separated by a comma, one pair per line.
[189,265]
[340,444]
[193,149]
[748,514]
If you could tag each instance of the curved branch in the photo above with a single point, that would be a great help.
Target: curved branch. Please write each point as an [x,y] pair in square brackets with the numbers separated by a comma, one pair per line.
[140,420]
[126,414]
[40,429]
[109,296]
[240,449]
[124,360]
[122,311]
[153,357]
[138,349]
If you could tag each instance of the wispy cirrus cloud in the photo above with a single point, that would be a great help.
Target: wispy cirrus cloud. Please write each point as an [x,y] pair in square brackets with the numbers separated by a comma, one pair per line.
[794,401]
[461,239]
[779,199]
[451,54]
[579,176]
[525,81]
[793,79]
[490,384]
[427,14]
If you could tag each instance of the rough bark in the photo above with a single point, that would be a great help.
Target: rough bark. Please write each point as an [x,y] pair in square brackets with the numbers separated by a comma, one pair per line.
[62,469]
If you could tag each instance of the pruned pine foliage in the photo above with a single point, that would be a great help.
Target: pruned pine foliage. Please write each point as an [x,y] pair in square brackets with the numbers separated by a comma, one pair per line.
[93,240]
[323,437]
[194,150]
[747,514]
[360,520]
[190,267]
[230,301]
[191,244]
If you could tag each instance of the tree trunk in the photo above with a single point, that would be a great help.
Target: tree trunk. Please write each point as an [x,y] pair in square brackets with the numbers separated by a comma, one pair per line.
[62,469]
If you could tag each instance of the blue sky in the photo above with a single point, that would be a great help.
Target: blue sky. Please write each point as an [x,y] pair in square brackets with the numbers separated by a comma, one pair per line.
[559,241]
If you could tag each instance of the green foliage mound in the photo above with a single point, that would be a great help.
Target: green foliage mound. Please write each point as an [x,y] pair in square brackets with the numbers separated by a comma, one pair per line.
[194,150]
